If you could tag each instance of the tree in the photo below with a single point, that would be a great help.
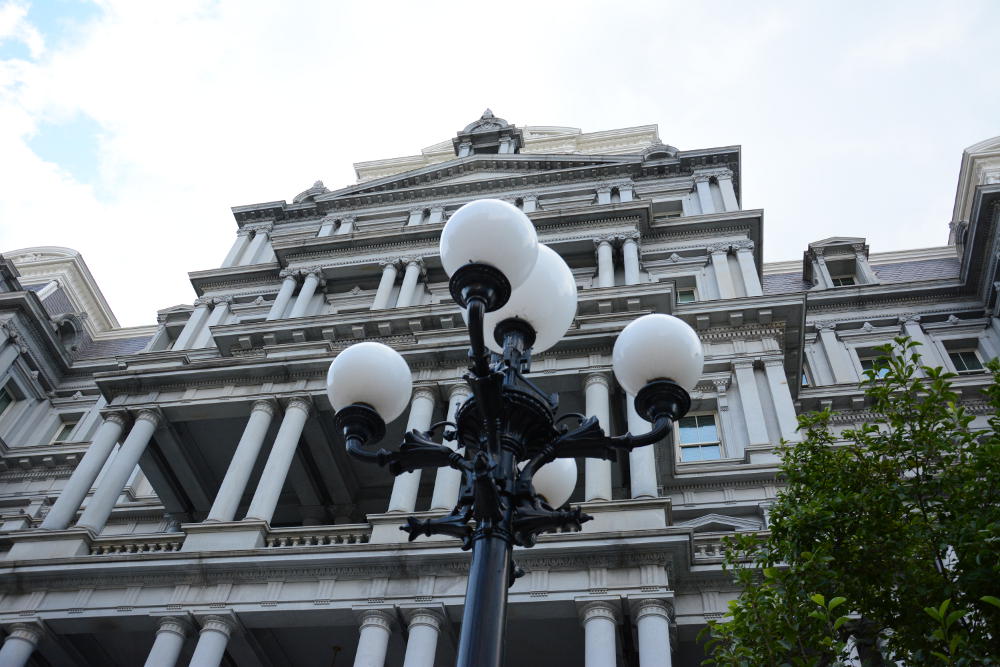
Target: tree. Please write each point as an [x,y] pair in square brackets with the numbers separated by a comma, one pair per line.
[885,537]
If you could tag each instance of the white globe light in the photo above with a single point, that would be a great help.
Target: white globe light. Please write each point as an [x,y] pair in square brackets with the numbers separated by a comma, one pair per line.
[370,373]
[546,301]
[555,481]
[657,347]
[493,232]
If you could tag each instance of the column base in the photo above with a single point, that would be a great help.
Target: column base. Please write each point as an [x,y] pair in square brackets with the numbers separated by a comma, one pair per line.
[224,535]
[44,544]
[615,516]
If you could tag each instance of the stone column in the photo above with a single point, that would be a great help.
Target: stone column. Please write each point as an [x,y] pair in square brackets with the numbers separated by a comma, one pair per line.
[260,239]
[843,368]
[753,409]
[309,284]
[238,473]
[82,479]
[599,621]
[597,472]
[21,641]
[448,481]
[928,352]
[728,191]
[212,641]
[605,263]
[405,487]
[734,446]
[421,647]
[821,272]
[604,194]
[723,276]
[408,289]
[116,476]
[788,421]
[863,269]
[630,253]
[242,240]
[265,499]
[704,188]
[389,272]
[376,627]
[652,620]
[220,310]
[284,295]
[170,636]
[641,460]
[744,256]
[193,325]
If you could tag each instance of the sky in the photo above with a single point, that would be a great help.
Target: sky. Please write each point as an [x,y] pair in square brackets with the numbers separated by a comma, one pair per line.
[128,129]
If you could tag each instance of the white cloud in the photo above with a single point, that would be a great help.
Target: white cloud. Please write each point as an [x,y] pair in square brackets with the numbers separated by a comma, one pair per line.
[206,105]
[15,27]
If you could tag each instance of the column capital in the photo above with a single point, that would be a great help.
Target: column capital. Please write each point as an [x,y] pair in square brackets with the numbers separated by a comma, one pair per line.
[119,417]
[304,403]
[598,609]
[721,385]
[742,364]
[203,301]
[258,227]
[427,617]
[745,244]
[652,607]
[458,389]
[604,240]
[152,415]
[703,175]
[414,261]
[597,377]
[288,273]
[375,618]
[719,248]
[394,263]
[218,623]
[216,300]
[243,231]
[909,318]
[825,326]
[264,405]
[630,236]
[30,632]
[177,625]
[428,391]
[774,362]
[859,249]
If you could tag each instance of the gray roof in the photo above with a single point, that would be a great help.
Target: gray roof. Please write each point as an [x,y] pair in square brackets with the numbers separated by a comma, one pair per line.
[96,349]
[925,269]
[783,283]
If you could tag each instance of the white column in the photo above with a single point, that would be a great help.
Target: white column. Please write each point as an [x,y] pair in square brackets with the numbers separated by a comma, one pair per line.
[309,285]
[753,409]
[416,216]
[421,647]
[82,479]
[220,311]
[724,278]
[641,460]
[744,256]
[600,634]
[863,268]
[781,395]
[212,641]
[238,473]
[21,641]
[704,194]
[376,626]
[652,620]
[265,499]
[113,482]
[728,192]
[448,481]
[284,296]
[929,353]
[630,253]
[170,636]
[242,240]
[605,264]
[193,325]
[597,472]
[259,240]
[837,354]
[604,194]
[821,269]
[389,272]
[405,486]
[409,287]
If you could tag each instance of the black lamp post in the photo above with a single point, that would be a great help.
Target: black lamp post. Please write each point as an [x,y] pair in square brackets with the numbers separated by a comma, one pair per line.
[508,427]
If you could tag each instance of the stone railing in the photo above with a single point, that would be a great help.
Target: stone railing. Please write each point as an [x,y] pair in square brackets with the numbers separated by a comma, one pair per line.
[318,536]
[137,544]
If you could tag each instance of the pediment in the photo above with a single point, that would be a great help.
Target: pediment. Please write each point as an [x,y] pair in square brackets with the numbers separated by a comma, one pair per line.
[719,523]
[834,241]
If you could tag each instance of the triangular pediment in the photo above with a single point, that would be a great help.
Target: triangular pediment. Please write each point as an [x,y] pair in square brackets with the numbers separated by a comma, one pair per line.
[718,523]
[837,241]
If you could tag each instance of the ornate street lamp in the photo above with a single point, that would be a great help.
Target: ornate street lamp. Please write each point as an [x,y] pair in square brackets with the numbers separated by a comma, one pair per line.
[518,470]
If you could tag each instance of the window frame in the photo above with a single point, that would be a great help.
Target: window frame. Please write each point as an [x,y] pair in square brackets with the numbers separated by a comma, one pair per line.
[694,295]
[719,442]
[72,424]
[12,399]
[844,276]
[962,350]
[870,356]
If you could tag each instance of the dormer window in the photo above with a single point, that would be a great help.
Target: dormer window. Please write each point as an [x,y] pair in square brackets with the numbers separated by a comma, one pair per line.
[838,262]
[843,281]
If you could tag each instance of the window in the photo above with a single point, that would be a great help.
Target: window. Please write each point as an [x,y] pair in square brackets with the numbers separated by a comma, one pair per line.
[868,364]
[698,437]
[686,296]
[843,281]
[6,399]
[805,376]
[63,431]
[965,361]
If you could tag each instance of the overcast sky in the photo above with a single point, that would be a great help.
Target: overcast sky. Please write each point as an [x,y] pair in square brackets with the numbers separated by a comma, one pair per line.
[128,129]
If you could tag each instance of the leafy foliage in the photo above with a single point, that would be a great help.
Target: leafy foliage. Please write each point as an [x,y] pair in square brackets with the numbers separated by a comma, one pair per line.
[886,536]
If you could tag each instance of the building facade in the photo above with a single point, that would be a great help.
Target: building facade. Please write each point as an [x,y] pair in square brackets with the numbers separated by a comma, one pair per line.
[179,494]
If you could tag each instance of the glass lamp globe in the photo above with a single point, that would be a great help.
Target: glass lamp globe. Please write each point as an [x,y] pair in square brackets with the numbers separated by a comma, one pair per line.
[493,232]
[657,347]
[546,301]
[555,481]
[370,373]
